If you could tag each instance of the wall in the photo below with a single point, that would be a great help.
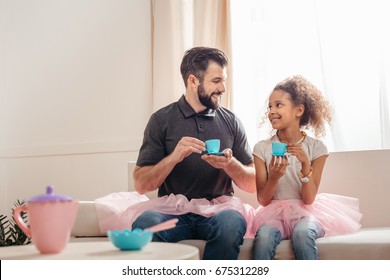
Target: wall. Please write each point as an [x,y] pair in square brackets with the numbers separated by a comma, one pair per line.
[3,123]
[75,95]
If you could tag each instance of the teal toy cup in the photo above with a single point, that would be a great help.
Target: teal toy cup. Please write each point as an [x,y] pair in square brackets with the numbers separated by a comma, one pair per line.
[279,149]
[130,240]
[213,146]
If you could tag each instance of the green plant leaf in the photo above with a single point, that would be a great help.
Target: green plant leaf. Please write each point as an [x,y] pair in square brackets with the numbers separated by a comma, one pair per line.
[10,233]
[4,224]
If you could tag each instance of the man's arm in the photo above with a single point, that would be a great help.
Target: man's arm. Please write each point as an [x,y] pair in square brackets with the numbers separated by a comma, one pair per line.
[242,175]
[150,178]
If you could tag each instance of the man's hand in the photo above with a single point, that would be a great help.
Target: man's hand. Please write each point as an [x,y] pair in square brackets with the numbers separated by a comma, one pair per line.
[187,146]
[219,162]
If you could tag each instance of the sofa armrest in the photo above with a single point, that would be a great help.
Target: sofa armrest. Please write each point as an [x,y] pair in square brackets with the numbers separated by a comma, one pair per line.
[86,224]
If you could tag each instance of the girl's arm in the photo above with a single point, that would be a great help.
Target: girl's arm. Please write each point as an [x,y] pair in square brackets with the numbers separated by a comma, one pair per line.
[309,190]
[266,185]
[312,170]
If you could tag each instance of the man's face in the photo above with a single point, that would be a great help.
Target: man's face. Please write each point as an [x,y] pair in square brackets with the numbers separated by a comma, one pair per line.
[213,86]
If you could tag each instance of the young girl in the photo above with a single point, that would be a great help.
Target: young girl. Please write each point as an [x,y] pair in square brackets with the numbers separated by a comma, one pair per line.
[287,186]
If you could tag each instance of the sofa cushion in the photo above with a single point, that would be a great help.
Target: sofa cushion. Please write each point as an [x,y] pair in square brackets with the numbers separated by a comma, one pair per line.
[87,223]
[367,244]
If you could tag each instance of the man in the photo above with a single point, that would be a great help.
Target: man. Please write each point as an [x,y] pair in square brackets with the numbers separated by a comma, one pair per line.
[172,158]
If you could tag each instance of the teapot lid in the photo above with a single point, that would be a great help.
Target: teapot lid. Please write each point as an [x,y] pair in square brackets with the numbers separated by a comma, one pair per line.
[50,196]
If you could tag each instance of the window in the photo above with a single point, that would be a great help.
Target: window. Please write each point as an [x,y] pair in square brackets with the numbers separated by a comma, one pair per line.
[342,47]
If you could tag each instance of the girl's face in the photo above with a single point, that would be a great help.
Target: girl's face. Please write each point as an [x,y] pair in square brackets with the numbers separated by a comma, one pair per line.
[282,113]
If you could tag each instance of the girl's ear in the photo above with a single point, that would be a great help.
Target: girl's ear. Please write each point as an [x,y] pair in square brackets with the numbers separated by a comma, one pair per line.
[300,110]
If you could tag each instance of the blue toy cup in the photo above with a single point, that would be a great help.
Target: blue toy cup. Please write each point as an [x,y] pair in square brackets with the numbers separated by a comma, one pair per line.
[279,149]
[213,145]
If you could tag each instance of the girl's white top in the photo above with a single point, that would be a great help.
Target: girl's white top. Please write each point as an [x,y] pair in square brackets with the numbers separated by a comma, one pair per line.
[289,186]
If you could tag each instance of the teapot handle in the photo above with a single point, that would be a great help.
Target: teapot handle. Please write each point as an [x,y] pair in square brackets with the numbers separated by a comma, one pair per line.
[19,221]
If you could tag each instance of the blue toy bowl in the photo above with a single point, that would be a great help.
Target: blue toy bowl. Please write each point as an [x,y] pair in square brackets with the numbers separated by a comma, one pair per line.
[130,240]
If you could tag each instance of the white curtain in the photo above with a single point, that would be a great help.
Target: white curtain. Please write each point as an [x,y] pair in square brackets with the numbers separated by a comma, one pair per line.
[177,26]
[341,46]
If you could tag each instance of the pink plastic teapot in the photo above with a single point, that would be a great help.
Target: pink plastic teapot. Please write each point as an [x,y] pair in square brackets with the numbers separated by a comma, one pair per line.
[51,219]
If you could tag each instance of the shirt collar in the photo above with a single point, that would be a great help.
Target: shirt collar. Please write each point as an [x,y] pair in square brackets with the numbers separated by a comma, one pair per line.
[189,112]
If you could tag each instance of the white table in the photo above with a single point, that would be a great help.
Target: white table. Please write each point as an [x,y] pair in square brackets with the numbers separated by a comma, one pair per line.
[103,250]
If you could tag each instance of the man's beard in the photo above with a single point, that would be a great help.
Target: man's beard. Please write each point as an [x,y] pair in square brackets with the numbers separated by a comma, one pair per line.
[206,100]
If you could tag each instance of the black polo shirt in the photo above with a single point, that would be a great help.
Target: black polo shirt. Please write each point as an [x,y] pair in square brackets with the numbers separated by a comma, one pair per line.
[193,177]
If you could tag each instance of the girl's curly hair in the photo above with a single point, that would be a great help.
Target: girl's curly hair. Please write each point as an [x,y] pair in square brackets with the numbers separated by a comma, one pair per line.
[317,112]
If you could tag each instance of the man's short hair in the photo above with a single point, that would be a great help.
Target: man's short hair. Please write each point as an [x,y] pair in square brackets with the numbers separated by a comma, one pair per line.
[196,61]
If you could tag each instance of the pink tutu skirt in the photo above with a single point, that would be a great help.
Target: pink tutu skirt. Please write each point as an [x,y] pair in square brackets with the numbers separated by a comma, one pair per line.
[120,210]
[334,213]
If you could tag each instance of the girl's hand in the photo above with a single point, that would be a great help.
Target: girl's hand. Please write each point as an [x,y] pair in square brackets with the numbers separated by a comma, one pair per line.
[297,151]
[277,167]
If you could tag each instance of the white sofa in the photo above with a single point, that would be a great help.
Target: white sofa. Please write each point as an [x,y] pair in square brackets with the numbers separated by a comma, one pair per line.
[362,174]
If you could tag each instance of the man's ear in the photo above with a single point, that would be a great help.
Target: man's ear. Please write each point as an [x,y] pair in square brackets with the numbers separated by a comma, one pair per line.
[192,81]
